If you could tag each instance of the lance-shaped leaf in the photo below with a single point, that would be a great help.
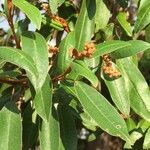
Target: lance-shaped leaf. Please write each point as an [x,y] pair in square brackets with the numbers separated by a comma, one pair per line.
[110,46]
[67,128]
[50,133]
[54,4]
[143,3]
[137,97]
[135,47]
[30,127]
[35,46]
[119,93]
[138,81]
[85,24]
[64,55]
[143,18]
[80,69]
[10,128]
[21,59]
[102,15]
[31,11]
[122,19]
[146,144]
[121,49]
[43,99]
[97,107]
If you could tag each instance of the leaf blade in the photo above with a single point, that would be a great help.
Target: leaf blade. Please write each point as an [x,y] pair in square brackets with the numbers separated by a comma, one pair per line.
[85,24]
[94,103]
[31,11]
[22,60]
[50,133]
[64,57]
[67,128]
[142,18]
[34,45]
[43,98]
[11,129]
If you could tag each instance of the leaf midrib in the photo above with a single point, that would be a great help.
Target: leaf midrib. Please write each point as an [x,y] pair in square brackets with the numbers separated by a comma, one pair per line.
[100,112]
[142,18]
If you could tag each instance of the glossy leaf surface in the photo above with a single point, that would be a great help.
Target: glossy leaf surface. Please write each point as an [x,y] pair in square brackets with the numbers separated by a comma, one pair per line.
[50,133]
[79,69]
[97,107]
[146,144]
[85,24]
[35,46]
[64,56]
[67,128]
[135,47]
[122,19]
[142,18]
[119,93]
[10,128]
[43,100]
[137,97]
[102,15]
[21,59]
[31,11]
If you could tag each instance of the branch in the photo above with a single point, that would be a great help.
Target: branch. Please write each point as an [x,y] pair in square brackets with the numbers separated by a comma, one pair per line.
[11,24]
[23,82]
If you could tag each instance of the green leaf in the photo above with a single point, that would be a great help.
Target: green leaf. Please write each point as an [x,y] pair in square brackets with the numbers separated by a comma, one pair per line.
[88,121]
[43,98]
[10,128]
[21,59]
[69,87]
[134,136]
[135,47]
[121,49]
[64,55]
[93,64]
[142,18]
[35,46]
[97,107]
[130,124]
[147,34]
[54,4]
[67,128]
[6,8]
[11,74]
[30,128]
[110,46]
[122,19]
[50,133]
[85,24]
[31,11]
[79,68]
[102,15]
[146,144]
[143,125]
[143,3]
[138,81]
[119,93]
[138,92]
[2,63]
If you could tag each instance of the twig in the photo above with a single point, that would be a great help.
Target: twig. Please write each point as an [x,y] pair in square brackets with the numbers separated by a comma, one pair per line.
[11,24]
[23,82]
[62,76]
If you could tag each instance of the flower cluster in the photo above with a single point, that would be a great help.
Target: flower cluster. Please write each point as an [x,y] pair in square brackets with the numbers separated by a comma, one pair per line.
[53,50]
[108,67]
[56,18]
[62,21]
[88,51]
